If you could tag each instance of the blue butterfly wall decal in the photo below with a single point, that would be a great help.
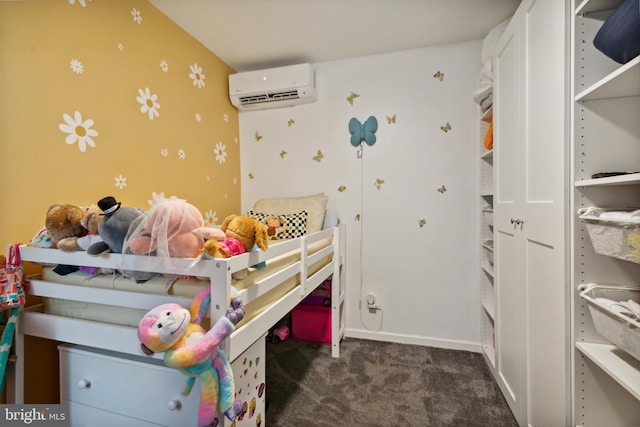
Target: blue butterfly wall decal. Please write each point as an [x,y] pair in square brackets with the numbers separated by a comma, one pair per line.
[363,132]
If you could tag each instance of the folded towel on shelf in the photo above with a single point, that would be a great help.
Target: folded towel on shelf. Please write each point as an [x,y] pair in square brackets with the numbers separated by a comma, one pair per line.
[486,103]
[486,73]
[491,40]
[485,78]
[481,93]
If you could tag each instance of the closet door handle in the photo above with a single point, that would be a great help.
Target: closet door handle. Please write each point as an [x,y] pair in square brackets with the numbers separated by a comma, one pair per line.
[517,221]
[84,383]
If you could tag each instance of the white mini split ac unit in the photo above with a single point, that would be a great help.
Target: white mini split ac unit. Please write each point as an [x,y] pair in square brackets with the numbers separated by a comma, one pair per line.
[273,88]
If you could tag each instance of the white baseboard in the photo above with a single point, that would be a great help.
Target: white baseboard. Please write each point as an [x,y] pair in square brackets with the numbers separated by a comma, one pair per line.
[475,347]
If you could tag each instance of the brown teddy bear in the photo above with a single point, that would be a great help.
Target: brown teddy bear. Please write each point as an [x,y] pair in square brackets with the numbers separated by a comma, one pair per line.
[243,233]
[64,220]
[90,222]
[244,229]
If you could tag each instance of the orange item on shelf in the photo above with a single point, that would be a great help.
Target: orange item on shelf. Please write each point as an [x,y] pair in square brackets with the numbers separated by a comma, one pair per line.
[488,137]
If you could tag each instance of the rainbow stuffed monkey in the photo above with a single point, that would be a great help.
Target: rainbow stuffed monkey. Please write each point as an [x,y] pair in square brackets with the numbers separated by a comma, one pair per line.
[195,352]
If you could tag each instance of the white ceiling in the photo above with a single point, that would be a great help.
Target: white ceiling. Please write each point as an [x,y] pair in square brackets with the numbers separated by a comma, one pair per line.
[256,34]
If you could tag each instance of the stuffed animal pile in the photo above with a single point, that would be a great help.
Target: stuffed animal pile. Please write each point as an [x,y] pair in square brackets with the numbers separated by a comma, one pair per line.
[172,228]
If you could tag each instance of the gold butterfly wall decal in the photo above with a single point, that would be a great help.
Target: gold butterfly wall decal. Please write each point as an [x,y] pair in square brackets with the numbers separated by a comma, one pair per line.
[351,97]
[251,175]
[391,119]
[422,222]
[342,188]
[446,128]
[290,122]
[442,189]
[439,75]
[378,183]
[318,157]
[282,154]
[258,136]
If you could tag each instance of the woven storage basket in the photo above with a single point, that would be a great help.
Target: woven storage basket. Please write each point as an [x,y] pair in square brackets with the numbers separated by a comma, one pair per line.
[614,232]
[621,330]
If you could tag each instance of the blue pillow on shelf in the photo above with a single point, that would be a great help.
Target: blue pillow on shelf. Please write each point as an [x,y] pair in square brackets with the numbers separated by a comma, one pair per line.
[619,36]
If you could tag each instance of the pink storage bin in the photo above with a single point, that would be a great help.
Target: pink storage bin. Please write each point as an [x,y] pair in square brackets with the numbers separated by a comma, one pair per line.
[311,322]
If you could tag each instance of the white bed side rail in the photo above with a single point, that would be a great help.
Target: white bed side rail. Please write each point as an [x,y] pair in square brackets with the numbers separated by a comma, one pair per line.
[301,266]
[115,297]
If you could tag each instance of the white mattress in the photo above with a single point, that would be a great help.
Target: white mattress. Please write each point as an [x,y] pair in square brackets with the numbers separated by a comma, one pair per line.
[159,284]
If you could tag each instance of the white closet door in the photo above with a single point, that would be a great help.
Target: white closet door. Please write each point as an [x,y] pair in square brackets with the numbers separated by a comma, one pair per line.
[544,147]
[529,160]
[510,291]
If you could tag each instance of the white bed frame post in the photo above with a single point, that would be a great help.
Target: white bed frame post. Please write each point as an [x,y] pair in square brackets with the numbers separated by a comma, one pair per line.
[220,280]
[337,291]
[303,267]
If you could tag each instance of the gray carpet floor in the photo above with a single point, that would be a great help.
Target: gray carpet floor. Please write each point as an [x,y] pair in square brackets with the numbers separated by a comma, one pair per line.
[380,384]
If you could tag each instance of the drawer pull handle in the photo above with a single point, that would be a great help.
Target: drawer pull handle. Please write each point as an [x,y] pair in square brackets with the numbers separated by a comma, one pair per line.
[174,405]
[84,383]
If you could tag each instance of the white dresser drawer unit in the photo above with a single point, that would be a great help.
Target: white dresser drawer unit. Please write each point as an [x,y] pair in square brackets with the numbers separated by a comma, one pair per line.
[106,389]
[87,416]
[130,386]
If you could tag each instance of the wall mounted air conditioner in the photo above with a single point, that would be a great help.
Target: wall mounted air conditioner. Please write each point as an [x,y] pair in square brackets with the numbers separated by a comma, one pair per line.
[273,88]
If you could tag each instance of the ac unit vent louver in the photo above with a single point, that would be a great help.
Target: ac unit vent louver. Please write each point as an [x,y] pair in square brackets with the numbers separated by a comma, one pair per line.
[269,97]
[273,88]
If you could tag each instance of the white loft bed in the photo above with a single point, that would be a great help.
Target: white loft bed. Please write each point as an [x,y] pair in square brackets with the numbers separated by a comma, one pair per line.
[313,259]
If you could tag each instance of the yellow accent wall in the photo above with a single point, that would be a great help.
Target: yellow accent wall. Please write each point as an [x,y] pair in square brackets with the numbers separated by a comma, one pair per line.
[106,97]
[103,98]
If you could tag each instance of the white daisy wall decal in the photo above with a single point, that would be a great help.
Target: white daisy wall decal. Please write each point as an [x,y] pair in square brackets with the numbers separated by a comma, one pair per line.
[121,181]
[78,131]
[76,66]
[136,15]
[197,76]
[120,47]
[182,154]
[198,117]
[164,66]
[210,218]
[225,118]
[164,152]
[148,103]
[220,151]
[82,3]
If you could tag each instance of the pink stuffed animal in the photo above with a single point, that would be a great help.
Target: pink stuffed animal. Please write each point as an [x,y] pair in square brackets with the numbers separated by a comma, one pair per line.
[172,228]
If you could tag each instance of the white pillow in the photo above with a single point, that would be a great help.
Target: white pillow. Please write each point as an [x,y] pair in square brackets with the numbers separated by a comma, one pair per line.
[315,205]
[331,219]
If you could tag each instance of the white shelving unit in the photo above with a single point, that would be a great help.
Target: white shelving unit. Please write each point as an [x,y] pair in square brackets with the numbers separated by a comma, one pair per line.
[487,290]
[606,138]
